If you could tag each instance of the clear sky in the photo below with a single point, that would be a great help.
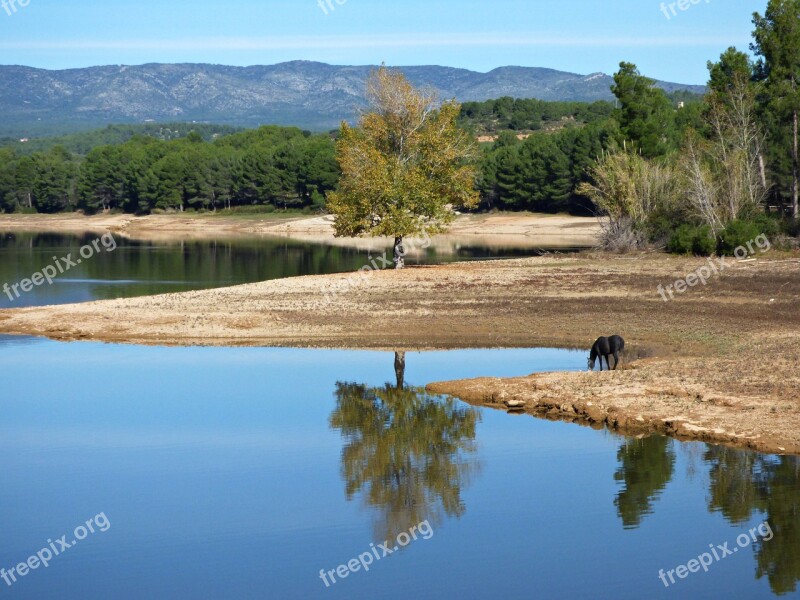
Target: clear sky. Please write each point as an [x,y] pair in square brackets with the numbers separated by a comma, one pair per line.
[581,36]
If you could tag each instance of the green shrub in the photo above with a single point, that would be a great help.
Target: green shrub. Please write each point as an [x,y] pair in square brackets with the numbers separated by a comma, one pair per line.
[252,209]
[688,239]
[768,225]
[704,242]
[791,227]
[660,229]
[737,233]
[681,240]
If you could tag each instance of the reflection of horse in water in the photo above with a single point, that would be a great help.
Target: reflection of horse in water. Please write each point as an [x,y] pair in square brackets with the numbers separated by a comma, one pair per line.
[605,347]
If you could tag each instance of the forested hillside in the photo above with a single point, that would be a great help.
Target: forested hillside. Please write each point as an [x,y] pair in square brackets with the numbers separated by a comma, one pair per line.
[526,115]
[273,166]
[83,142]
[192,166]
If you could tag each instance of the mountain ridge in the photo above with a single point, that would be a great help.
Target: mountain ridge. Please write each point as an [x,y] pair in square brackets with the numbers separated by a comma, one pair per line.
[309,94]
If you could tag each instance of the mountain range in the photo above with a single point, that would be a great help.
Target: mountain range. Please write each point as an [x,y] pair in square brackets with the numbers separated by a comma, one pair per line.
[311,95]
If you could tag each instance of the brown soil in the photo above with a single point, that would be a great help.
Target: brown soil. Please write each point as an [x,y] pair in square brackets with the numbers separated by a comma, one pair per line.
[719,363]
[491,230]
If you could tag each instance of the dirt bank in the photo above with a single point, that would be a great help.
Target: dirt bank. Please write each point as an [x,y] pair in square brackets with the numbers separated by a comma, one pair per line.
[524,230]
[723,360]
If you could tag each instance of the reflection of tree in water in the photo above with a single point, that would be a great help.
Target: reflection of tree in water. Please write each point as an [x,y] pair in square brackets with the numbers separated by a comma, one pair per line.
[779,558]
[742,483]
[645,468]
[400,369]
[734,479]
[407,452]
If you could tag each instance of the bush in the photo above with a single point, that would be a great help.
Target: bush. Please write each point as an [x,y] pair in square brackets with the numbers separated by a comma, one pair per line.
[769,226]
[620,235]
[251,209]
[791,227]
[737,233]
[688,239]
[704,242]
[660,229]
[681,240]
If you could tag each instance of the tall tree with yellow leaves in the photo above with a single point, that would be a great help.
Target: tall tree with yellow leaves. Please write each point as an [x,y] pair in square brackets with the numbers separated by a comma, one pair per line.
[406,167]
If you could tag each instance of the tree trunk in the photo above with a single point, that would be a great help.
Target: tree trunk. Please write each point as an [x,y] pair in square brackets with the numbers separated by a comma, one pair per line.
[400,368]
[795,207]
[762,170]
[399,252]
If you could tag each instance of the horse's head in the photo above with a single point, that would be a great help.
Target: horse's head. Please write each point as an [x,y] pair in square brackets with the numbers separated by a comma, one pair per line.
[590,362]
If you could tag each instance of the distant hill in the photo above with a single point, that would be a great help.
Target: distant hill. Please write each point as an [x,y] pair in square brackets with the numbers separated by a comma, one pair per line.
[82,142]
[311,95]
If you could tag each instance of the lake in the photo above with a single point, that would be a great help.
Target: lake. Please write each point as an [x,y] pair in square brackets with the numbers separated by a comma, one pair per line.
[139,268]
[280,473]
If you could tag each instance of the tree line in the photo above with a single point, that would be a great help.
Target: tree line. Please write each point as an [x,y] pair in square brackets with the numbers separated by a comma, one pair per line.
[725,176]
[529,114]
[84,141]
[272,166]
[287,167]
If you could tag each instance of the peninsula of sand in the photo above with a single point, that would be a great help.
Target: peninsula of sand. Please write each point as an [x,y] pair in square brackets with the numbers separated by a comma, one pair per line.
[719,362]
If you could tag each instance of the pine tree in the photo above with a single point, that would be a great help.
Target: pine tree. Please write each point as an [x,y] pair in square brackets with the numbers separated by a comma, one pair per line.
[777,43]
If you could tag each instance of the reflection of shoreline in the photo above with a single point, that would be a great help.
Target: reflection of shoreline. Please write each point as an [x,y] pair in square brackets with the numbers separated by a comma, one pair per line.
[452,244]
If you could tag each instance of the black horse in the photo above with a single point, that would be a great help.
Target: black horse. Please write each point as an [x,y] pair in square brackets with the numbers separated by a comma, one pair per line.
[605,347]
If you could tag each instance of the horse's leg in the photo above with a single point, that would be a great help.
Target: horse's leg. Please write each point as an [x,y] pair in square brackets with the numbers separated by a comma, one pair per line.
[616,359]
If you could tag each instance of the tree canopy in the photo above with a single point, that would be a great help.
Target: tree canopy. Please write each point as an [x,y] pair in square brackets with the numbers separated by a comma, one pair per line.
[405,166]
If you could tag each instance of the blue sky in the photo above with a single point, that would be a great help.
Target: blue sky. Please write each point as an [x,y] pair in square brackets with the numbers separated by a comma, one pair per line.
[582,36]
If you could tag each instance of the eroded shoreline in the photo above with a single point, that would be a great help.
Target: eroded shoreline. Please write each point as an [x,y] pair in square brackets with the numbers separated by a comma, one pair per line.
[496,230]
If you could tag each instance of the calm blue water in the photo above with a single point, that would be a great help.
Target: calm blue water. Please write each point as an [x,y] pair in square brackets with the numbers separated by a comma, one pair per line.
[122,268]
[241,473]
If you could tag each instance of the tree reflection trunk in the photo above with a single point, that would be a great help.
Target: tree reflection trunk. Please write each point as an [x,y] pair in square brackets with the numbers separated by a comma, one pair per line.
[399,252]
[400,369]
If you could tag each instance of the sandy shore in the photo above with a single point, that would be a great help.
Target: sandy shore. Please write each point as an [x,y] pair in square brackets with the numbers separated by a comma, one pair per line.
[521,230]
[720,363]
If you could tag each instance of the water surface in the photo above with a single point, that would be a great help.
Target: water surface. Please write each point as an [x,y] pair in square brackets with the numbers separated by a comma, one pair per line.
[137,268]
[242,472]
